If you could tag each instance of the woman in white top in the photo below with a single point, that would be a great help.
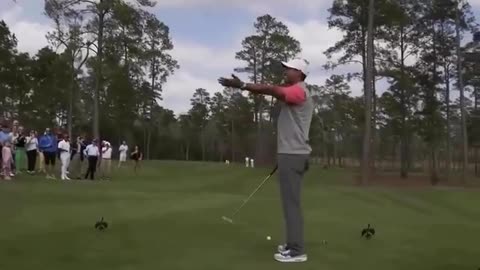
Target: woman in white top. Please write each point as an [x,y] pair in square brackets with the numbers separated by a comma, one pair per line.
[32,149]
[123,153]
[64,148]
[106,163]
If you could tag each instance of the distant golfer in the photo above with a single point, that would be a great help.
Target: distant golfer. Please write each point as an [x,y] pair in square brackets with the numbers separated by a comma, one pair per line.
[293,148]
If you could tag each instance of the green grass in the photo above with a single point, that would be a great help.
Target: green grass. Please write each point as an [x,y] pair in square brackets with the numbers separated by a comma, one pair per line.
[169,217]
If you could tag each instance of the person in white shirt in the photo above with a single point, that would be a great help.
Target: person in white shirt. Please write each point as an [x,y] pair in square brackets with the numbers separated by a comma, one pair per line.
[106,163]
[64,148]
[91,153]
[32,151]
[123,149]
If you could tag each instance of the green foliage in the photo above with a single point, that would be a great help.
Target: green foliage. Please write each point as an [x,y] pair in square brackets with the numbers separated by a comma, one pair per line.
[118,54]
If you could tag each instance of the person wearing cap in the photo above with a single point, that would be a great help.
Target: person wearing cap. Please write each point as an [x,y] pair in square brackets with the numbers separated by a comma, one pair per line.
[293,149]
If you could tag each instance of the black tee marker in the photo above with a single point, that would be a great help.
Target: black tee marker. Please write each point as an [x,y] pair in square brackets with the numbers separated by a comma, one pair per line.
[101,225]
[368,232]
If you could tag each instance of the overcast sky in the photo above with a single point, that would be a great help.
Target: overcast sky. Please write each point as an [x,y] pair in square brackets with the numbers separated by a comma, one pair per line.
[206,34]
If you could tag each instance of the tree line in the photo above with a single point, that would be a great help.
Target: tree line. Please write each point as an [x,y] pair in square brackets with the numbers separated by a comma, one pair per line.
[103,71]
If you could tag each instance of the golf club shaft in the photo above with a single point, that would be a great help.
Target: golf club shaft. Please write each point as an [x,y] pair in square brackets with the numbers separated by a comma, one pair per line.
[255,191]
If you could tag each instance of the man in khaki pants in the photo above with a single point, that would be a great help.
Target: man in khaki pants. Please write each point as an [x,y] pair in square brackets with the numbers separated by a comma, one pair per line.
[106,163]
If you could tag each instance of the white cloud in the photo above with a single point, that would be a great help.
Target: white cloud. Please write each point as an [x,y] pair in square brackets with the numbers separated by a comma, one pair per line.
[180,88]
[30,34]
[251,5]
[204,58]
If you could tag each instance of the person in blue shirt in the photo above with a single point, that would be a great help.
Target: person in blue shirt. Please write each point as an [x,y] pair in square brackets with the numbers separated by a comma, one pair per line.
[48,145]
[4,134]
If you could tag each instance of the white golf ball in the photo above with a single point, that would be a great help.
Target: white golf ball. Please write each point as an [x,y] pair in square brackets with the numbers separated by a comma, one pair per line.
[269,238]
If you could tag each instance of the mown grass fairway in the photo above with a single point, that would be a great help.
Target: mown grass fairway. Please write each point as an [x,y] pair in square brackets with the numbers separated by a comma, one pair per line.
[169,217]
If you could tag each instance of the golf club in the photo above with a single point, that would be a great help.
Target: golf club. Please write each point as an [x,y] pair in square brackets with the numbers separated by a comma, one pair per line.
[230,219]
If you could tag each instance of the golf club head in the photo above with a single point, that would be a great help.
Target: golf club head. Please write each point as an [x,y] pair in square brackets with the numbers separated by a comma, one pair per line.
[229,220]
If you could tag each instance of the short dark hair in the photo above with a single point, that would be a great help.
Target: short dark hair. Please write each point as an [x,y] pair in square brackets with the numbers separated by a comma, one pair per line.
[304,77]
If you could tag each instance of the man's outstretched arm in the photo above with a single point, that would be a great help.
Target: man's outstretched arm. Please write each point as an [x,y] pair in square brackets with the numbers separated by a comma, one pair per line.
[266,89]
[291,94]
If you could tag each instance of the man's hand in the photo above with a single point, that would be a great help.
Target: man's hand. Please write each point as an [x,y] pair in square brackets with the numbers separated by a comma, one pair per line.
[235,82]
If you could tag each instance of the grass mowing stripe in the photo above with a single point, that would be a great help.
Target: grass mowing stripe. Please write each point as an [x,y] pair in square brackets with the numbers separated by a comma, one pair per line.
[168,217]
[85,214]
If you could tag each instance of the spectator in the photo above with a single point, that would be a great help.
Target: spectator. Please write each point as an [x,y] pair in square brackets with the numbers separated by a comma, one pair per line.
[32,151]
[7,160]
[41,158]
[13,138]
[20,142]
[77,157]
[5,136]
[137,156]
[64,148]
[92,153]
[123,149]
[48,145]
[41,162]
[106,163]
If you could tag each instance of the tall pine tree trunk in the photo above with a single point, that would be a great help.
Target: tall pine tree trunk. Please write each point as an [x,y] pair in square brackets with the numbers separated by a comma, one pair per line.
[71,98]
[477,148]
[403,105]
[335,151]
[448,164]
[432,103]
[373,151]
[99,75]
[202,138]
[149,140]
[368,97]
[462,95]
[152,101]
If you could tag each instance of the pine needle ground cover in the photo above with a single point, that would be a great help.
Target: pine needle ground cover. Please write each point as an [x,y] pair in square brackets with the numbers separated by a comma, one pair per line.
[169,217]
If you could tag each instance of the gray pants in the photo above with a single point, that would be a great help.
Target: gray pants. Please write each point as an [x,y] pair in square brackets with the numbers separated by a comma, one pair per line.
[291,169]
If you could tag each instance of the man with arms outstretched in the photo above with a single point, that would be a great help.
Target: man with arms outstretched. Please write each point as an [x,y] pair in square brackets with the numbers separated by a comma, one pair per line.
[293,127]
